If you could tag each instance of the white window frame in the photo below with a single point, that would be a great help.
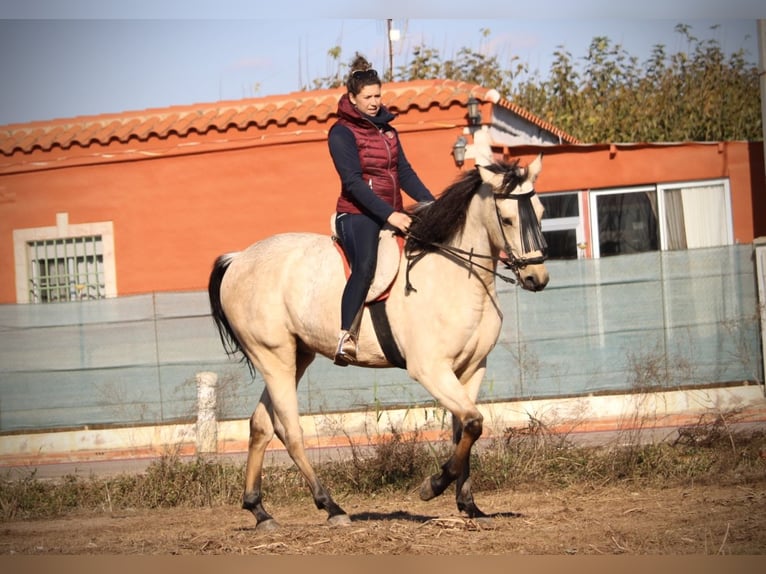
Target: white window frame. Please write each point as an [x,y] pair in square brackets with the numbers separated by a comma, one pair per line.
[664,187]
[593,211]
[63,230]
[565,223]
[660,190]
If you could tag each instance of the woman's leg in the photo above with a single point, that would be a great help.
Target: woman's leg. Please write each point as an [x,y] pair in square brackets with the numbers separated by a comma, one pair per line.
[358,236]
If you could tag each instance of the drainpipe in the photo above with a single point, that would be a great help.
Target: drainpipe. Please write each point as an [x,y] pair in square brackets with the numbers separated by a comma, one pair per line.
[760,242]
[762,74]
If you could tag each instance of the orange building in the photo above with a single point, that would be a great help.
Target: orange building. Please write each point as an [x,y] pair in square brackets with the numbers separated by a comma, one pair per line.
[144,201]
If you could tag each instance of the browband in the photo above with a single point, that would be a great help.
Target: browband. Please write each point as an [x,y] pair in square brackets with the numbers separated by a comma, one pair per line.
[510,195]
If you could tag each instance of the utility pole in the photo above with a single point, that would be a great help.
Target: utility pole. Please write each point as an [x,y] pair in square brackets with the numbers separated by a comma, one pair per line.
[394,35]
[390,24]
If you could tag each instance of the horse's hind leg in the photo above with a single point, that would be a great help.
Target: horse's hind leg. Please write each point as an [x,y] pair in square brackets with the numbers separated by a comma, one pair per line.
[261,433]
[282,390]
[263,427]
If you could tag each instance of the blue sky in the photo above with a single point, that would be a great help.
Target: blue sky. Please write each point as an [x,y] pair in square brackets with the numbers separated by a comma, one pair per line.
[87,57]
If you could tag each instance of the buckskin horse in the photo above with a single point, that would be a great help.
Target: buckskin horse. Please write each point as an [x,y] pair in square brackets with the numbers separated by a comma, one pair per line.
[278,303]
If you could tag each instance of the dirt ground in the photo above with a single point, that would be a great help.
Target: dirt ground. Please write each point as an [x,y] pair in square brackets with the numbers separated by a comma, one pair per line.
[701,520]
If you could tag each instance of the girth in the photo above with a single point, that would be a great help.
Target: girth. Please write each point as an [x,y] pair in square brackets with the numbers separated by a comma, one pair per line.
[382,328]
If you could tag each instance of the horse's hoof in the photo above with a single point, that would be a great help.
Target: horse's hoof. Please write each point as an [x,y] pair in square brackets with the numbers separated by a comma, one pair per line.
[269,525]
[427,490]
[339,520]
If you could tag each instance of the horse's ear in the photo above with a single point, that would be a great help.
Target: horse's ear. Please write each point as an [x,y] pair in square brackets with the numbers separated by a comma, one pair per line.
[487,176]
[534,168]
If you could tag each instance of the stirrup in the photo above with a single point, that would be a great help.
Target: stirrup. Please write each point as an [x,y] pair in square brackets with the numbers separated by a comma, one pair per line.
[346,351]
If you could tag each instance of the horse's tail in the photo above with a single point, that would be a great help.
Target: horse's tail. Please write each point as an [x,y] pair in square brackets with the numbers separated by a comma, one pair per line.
[228,338]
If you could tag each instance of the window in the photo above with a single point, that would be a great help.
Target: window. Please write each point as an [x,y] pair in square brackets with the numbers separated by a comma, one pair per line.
[696,215]
[624,221]
[666,216]
[64,262]
[70,269]
[562,225]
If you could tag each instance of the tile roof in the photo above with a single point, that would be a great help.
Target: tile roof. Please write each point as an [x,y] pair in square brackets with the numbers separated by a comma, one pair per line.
[298,107]
[529,116]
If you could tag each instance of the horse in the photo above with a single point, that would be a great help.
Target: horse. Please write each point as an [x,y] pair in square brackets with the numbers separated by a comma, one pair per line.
[277,304]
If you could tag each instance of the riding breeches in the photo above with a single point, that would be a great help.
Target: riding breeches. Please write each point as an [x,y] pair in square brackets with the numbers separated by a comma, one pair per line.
[359,235]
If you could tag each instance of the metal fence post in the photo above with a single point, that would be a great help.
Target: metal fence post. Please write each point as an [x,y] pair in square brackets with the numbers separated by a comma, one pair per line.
[207,424]
[760,272]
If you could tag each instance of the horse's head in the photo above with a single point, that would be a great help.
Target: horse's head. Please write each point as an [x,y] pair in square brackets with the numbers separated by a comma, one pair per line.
[518,230]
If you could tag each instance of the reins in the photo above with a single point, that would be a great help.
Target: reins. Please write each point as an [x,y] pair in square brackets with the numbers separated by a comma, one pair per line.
[532,239]
[467,257]
[461,255]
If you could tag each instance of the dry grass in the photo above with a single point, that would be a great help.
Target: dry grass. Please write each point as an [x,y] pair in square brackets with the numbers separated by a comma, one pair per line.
[707,453]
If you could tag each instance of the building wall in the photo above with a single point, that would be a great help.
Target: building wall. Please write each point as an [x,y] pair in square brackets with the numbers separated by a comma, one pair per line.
[571,168]
[178,202]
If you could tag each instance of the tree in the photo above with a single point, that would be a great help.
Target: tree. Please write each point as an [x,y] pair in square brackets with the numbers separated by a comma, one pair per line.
[694,95]
[336,78]
[697,94]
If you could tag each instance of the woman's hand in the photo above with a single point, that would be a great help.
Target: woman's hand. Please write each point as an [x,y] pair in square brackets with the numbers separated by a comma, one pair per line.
[400,220]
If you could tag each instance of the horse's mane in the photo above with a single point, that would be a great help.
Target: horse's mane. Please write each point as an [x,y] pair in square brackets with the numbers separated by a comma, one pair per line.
[440,220]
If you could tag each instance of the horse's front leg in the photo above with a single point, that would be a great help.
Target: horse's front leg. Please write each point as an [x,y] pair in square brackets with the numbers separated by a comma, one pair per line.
[457,466]
[463,490]
[466,430]
[456,398]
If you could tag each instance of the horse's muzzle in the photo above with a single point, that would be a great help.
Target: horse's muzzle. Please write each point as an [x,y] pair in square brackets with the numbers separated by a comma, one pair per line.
[535,281]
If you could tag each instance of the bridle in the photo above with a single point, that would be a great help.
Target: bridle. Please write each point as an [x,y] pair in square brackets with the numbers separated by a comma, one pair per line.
[532,239]
[527,218]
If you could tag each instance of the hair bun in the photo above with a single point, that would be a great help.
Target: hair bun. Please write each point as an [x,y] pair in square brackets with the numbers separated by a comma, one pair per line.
[361,74]
[360,64]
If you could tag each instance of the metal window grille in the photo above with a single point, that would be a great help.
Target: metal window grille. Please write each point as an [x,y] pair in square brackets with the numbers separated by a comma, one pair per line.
[68,269]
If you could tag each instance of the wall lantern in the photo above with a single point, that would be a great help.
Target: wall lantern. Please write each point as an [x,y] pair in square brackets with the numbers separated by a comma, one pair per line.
[474,115]
[458,151]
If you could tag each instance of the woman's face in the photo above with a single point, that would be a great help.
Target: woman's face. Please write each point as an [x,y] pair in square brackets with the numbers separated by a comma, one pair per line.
[367,101]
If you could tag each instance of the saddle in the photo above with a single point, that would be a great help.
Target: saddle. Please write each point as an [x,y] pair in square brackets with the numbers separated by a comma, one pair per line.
[390,247]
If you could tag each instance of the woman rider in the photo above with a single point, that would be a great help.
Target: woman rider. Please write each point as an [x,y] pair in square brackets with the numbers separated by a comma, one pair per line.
[373,170]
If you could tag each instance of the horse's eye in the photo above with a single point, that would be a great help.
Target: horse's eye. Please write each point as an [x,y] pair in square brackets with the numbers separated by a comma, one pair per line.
[507,221]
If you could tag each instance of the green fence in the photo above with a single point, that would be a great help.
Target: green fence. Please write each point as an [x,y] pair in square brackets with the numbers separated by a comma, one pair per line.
[648,321]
